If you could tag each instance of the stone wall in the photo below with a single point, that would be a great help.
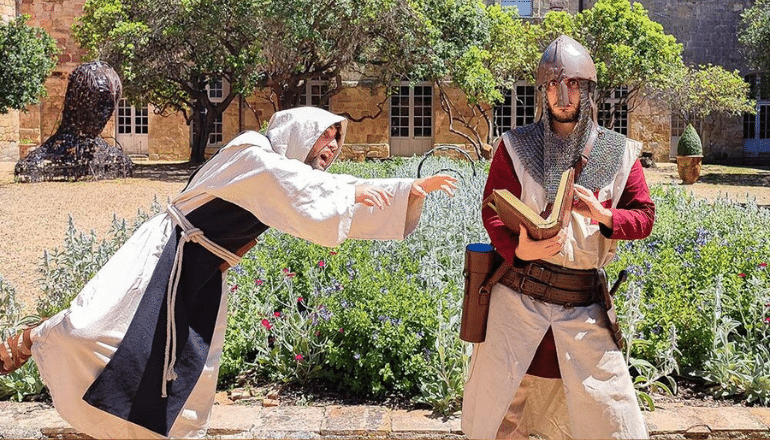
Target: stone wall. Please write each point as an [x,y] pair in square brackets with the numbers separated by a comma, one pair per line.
[361,102]
[651,125]
[169,137]
[362,152]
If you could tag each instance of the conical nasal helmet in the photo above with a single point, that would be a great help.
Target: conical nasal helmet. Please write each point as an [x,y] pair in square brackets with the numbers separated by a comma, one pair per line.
[564,58]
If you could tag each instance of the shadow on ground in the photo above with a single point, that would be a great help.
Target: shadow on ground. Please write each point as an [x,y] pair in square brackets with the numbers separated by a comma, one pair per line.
[762,180]
[166,172]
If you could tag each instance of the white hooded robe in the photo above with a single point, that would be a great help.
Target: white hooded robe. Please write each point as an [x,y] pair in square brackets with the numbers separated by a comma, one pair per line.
[252,183]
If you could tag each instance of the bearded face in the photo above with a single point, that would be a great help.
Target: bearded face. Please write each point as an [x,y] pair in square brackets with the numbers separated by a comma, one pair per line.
[570,112]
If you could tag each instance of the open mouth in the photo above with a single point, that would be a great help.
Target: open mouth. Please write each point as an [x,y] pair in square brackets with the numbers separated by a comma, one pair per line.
[325,156]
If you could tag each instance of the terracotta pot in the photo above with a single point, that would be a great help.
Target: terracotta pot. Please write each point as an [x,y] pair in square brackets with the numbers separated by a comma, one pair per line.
[689,168]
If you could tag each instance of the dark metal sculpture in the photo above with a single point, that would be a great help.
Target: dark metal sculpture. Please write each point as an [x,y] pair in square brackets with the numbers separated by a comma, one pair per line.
[76,150]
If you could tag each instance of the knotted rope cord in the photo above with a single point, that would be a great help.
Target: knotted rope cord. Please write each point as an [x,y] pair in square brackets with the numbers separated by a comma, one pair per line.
[189,233]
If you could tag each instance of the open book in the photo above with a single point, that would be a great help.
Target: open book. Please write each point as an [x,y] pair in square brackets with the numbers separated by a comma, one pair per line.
[514,213]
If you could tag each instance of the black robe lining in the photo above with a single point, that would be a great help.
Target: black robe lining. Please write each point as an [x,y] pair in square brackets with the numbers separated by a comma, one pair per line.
[129,387]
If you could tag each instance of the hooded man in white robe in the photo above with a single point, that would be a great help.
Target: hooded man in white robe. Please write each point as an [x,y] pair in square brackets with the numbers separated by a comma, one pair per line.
[136,355]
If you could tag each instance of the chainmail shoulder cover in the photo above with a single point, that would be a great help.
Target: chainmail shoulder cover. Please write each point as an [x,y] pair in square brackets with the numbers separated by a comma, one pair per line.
[603,163]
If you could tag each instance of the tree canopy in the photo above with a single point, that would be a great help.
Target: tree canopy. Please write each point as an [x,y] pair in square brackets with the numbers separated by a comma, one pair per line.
[27,57]
[754,34]
[694,93]
[483,54]
[167,51]
[628,48]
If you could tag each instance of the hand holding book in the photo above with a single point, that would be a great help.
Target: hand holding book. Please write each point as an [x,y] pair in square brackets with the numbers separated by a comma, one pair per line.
[530,250]
[514,213]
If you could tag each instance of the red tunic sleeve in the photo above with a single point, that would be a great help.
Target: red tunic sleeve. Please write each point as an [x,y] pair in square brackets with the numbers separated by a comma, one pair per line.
[501,176]
[635,213]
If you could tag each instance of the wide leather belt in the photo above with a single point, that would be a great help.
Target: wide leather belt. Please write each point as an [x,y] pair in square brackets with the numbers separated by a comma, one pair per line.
[554,284]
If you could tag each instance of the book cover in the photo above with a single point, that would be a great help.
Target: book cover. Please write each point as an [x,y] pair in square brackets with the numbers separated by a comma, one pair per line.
[514,213]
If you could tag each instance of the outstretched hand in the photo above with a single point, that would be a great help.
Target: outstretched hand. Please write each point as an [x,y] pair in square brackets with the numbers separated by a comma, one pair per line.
[373,196]
[423,186]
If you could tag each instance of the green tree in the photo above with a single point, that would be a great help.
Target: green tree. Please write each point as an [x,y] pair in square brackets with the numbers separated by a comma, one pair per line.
[167,51]
[27,57]
[480,51]
[628,48]
[754,34]
[694,93]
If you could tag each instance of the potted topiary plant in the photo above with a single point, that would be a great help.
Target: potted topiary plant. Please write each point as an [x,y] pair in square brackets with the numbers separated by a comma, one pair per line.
[689,154]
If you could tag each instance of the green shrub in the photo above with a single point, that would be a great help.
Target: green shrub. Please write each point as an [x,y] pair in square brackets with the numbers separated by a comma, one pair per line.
[678,266]
[689,144]
[26,380]
[385,315]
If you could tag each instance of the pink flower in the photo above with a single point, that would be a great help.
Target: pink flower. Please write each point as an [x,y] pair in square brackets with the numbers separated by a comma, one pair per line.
[742,275]
[298,357]
[266,324]
[767,320]
[300,299]
[285,270]
[332,253]
[321,264]
[277,314]
[259,282]
[341,330]
[291,274]
[234,288]
[762,265]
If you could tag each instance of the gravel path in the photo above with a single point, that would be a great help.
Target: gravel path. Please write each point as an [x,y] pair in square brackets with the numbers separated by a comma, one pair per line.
[33,216]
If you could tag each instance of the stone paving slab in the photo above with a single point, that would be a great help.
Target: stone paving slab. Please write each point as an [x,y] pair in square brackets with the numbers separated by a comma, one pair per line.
[419,421]
[702,422]
[40,420]
[356,421]
[301,422]
[762,414]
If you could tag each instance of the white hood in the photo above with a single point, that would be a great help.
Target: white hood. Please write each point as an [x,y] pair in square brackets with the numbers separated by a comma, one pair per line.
[293,132]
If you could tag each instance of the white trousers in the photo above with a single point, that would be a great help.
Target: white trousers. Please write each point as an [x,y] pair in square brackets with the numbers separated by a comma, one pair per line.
[598,392]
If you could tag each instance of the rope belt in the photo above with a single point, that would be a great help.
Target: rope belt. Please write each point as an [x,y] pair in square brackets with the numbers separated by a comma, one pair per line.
[554,284]
[189,233]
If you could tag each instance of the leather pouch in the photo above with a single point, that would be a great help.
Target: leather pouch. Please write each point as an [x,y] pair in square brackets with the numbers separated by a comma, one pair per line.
[481,260]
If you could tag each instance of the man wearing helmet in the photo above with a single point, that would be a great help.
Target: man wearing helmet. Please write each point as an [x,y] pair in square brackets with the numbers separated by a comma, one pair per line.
[550,366]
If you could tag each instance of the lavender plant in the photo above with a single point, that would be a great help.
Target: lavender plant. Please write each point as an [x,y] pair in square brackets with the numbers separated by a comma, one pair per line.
[25,380]
[738,364]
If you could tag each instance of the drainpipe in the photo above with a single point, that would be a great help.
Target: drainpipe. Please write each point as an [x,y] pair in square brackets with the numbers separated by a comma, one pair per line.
[580,6]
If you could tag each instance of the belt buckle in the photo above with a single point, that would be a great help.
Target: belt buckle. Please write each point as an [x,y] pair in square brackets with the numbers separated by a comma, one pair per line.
[531,271]
[536,295]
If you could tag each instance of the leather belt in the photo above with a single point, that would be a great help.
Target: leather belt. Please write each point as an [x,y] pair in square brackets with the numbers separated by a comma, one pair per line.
[554,284]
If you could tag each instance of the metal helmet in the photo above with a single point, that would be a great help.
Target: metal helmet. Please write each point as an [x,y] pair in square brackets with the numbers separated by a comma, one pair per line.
[564,58]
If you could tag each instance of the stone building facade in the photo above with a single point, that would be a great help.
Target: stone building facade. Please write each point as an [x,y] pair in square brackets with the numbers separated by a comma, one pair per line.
[707,29]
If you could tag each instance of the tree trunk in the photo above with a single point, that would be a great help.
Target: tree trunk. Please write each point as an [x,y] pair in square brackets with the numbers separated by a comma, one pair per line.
[200,136]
